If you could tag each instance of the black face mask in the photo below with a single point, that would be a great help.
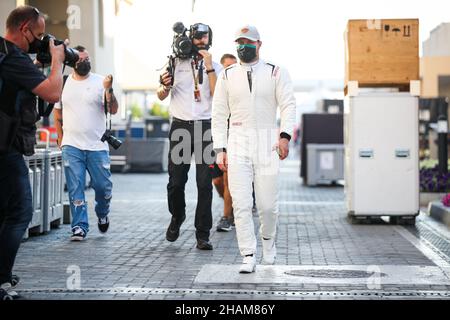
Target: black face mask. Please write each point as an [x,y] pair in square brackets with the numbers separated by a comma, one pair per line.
[83,68]
[246,52]
[35,45]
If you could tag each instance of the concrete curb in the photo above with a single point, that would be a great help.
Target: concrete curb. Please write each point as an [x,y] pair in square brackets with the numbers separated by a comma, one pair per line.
[427,197]
[439,212]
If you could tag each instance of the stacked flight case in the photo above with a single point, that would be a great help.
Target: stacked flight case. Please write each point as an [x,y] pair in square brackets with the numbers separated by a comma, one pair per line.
[382,156]
[381,119]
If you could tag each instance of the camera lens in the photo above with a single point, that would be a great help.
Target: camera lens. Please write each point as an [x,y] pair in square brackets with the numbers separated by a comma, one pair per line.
[114,142]
[44,56]
[71,57]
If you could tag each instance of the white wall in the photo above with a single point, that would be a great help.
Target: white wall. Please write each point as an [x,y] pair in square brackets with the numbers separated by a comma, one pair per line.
[102,57]
[6,6]
[439,42]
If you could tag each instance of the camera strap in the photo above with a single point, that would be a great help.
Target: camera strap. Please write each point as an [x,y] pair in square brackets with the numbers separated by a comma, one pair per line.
[41,103]
[105,105]
[4,52]
[2,57]
[197,79]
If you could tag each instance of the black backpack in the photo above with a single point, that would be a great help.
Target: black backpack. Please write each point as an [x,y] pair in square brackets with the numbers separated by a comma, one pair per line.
[11,125]
[8,124]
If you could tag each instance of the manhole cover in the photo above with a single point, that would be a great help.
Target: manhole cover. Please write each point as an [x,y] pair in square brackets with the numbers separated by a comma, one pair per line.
[344,274]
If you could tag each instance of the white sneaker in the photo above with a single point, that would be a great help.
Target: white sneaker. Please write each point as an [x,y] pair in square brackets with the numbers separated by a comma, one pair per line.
[269,251]
[248,264]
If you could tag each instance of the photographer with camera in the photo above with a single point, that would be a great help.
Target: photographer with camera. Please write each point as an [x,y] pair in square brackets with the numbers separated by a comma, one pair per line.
[191,79]
[20,82]
[81,124]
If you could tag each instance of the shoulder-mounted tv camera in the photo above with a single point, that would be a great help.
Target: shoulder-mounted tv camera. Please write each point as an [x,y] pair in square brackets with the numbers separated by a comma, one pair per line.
[182,45]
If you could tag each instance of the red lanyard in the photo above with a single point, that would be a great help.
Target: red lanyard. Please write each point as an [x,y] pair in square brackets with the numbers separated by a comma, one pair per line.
[197,79]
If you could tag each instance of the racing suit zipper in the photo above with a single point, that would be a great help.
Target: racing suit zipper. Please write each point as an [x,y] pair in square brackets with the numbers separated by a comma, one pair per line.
[252,82]
[249,78]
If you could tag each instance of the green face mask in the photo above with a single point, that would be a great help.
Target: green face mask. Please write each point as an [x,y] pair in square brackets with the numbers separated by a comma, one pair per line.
[246,52]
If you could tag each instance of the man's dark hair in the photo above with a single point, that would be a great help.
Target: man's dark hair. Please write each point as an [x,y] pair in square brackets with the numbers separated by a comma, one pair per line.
[227,56]
[80,48]
[21,15]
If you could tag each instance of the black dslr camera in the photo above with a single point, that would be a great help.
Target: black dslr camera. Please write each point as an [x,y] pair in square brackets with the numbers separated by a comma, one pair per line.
[44,56]
[113,141]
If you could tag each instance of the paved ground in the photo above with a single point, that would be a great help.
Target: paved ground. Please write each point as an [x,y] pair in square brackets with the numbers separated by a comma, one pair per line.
[320,255]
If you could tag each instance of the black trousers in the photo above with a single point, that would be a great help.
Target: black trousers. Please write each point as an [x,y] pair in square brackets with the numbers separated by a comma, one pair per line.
[186,139]
[16,210]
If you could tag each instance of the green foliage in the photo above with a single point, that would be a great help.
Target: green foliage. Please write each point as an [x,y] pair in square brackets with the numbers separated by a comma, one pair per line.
[430,164]
[136,112]
[159,110]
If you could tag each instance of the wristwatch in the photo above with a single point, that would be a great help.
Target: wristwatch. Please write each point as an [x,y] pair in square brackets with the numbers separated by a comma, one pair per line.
[110,90]
[284,135]
[209,71]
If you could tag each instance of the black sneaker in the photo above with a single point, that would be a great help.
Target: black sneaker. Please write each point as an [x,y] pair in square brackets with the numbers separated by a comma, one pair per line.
[204,245]
[4,296]
[7,292]
[173,231]
[78,234]
[103,224]
[14,281]
[224,225]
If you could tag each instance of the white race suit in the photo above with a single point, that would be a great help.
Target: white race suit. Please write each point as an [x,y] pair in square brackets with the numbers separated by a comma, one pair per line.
[249,96]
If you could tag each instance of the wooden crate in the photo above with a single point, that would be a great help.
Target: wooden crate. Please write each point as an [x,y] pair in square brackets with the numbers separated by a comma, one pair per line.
[382,53]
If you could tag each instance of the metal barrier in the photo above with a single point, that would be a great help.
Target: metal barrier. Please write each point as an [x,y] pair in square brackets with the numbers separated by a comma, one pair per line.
[36,171]
[53,189]
[47,184]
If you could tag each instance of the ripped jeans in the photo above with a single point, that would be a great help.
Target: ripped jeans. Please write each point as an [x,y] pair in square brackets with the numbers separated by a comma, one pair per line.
[98,164]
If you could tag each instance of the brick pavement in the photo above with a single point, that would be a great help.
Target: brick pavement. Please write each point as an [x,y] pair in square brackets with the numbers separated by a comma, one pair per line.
[313,230]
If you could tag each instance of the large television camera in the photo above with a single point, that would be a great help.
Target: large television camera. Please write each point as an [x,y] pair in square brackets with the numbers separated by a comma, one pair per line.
[182,45]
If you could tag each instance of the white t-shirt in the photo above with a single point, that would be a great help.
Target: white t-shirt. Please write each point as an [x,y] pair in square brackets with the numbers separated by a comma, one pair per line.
[84,119]
[182,103]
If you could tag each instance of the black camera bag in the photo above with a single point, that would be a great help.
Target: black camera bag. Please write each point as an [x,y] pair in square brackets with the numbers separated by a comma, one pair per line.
[8,124]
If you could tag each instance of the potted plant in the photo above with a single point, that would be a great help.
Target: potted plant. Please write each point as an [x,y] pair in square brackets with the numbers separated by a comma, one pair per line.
[446,200]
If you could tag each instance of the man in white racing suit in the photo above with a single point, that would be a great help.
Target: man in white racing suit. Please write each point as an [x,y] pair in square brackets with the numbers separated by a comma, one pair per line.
[249,94]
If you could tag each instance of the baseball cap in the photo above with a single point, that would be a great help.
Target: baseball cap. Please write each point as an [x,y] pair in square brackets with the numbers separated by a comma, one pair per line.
[247,32]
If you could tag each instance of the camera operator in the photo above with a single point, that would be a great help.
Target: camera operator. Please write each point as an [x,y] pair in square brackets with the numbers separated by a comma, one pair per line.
[80,120]
[21,81]
[190,108]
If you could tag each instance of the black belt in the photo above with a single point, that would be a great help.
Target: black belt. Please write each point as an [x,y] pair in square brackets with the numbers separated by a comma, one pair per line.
[190,121]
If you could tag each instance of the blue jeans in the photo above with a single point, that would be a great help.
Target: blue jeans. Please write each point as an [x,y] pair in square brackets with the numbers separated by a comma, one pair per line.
[16,209]
[98,164]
